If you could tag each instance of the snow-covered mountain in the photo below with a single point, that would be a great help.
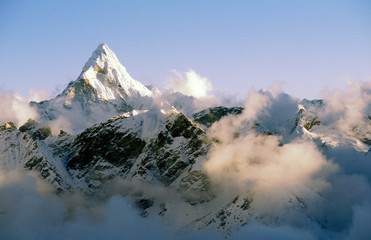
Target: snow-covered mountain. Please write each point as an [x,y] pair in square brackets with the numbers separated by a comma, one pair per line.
[28,148]
[126,138]
[104,89]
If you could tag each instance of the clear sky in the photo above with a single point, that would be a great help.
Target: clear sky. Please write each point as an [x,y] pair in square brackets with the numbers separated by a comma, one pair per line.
[238,45]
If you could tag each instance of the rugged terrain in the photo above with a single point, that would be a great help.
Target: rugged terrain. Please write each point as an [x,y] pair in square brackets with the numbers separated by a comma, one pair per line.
[125,134]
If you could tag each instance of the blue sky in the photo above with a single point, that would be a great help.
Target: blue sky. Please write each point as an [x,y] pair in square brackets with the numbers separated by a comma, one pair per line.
[238,45]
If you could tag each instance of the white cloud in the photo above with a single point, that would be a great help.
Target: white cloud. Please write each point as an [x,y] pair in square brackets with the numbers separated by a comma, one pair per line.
[348,108]
[16,108]
[191,84]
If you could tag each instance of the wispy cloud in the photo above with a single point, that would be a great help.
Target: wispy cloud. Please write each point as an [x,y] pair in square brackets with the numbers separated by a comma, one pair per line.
[16,108]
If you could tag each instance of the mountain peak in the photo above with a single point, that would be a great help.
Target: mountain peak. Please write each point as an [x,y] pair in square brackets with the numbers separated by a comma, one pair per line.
[103,49]
[103,88]
[109,78]
[103,46]
[102,54]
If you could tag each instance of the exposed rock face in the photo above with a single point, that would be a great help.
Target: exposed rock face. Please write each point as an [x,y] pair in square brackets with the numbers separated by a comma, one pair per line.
[120,147]
[307,120]
[171,153]
[27,149]
[208,116]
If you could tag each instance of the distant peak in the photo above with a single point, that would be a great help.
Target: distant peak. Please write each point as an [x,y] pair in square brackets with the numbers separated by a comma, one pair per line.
[104,72]
[102,45]
[103,48]
[101,54]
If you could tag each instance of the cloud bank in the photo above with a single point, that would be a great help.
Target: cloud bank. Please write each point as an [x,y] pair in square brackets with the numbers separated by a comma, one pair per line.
[333,180]
[29,210]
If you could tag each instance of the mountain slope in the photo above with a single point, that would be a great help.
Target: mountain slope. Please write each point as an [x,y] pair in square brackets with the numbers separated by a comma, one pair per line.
[151,145]
[28,149]
[103,90]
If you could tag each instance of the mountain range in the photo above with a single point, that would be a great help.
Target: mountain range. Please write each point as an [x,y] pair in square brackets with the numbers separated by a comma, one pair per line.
[122,137]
